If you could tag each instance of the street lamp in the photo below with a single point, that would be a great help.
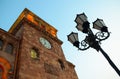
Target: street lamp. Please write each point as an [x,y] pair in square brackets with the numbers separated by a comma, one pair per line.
[91,40]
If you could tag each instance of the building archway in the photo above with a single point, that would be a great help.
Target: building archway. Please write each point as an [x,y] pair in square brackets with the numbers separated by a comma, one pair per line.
[4,68]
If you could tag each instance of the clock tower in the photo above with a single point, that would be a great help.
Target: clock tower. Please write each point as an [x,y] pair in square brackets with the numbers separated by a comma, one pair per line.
[39,54]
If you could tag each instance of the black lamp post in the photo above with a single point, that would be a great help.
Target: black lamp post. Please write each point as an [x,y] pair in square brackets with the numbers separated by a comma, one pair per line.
[91,40]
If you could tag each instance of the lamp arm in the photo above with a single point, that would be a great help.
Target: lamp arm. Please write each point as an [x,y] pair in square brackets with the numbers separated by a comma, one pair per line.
[82,49]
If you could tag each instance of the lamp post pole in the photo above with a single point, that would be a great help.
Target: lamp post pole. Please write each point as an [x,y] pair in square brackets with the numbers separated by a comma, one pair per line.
[92,40]
[110,61]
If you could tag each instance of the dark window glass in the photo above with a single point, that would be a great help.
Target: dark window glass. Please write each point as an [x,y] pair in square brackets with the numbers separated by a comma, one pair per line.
[1,43]
[9,48]
[11,73]
[61,64]
[1,71]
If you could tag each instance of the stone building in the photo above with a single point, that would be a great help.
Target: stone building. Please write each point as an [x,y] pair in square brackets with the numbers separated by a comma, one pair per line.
[32,50]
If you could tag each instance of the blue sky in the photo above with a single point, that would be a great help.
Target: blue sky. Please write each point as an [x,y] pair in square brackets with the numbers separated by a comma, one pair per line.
[90,64]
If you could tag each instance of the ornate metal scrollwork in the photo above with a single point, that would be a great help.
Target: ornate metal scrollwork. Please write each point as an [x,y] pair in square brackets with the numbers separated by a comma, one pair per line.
[102,35]
[83,45]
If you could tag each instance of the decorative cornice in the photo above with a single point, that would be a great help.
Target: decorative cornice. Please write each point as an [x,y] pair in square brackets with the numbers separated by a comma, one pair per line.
[36,20]
[32,19]
[41,30]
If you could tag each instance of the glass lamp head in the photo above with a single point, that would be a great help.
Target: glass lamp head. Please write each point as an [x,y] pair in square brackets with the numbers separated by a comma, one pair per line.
[73,38]
[81,18]
[100,25]
[82,23]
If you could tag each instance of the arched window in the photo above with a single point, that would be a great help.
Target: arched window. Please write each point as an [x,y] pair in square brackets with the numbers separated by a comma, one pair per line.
[61,64]
[1,44]
[9,48]
[34,53]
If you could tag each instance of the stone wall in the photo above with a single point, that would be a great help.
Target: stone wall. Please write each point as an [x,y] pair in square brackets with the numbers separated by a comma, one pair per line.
[47,66]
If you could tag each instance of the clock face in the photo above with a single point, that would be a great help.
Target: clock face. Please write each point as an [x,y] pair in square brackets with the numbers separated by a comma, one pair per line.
[45,43]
